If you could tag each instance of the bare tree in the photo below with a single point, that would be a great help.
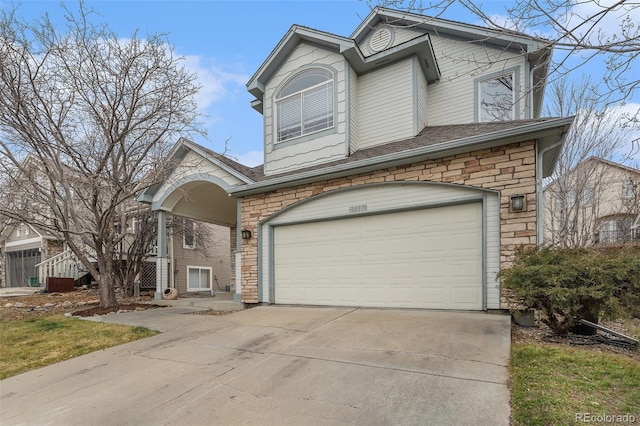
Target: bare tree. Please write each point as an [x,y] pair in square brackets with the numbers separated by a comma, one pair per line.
[579,192]
[86,119]
[138,229]
[581,32]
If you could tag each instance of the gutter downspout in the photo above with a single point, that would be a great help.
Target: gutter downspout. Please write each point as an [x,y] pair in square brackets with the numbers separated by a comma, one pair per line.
[539,192]
[532,86]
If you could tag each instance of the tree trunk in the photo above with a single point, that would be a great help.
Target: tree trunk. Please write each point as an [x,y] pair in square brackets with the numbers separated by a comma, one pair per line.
[106,287]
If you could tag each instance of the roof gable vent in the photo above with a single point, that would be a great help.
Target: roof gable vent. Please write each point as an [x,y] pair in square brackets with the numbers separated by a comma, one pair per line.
[381,39]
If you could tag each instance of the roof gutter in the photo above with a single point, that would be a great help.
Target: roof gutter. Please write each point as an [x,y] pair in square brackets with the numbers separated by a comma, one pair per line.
[404,157]
[539,191]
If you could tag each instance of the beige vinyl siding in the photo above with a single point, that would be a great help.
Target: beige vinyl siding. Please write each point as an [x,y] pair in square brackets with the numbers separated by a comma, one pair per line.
[194,164]
[451,100]
[386,104]
[385,197]
[13,236]
[354,136]
[421,96]
[400,35]
[306,150]
[217,257]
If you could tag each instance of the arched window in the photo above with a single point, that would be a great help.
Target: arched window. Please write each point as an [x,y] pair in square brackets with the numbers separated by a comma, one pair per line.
[305,104]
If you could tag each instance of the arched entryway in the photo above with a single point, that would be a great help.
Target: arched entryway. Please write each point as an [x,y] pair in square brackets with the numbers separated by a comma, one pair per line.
[195,199]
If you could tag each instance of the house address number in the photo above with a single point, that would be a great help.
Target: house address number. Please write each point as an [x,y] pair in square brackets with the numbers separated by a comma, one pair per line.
[358,209]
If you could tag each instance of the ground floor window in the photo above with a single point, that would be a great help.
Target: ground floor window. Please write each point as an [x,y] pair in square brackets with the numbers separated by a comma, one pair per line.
[199,278]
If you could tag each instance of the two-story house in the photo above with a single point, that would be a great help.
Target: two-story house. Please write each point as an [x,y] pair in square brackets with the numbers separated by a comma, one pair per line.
[198,258]
[596,202]
[403,166]
[30,251]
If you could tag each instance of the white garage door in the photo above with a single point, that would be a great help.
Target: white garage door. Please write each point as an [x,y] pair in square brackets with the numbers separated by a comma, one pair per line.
[428,258]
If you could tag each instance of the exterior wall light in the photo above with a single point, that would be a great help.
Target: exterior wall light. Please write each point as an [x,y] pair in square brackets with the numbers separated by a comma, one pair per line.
[517,203]
[246,234]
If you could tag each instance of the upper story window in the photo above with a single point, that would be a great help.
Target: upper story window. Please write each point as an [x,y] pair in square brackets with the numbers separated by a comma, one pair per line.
[305,104]
[496,98]
[22,231]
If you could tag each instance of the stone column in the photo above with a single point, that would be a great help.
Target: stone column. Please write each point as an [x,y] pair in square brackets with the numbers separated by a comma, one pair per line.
[233,233]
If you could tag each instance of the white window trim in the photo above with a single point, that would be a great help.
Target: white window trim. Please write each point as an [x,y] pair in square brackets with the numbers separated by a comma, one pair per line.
[277,100]
[515,106]
[200,268]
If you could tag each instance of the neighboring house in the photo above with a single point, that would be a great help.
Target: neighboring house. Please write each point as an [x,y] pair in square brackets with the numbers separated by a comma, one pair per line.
[596,202]
[22,247]
[399,171]
[28,254]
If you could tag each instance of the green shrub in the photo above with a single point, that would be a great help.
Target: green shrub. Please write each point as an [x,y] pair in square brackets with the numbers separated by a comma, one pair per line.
[572,284]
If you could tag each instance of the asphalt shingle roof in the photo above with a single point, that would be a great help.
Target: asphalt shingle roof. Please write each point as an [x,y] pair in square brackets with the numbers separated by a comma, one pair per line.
[429,136]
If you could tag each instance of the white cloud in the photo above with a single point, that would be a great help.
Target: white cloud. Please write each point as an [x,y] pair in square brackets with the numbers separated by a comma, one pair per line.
[630,116]
[217,84]
[251,158]
[597,27]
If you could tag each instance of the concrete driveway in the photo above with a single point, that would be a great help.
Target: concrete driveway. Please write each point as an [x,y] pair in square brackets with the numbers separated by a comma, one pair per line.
[277,365]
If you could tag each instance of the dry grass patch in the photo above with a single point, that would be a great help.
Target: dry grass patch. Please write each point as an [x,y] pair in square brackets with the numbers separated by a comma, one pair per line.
[551,384]
[40,341]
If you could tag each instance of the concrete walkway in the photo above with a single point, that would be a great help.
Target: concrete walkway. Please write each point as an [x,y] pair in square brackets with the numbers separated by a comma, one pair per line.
[18,291]
[280,365]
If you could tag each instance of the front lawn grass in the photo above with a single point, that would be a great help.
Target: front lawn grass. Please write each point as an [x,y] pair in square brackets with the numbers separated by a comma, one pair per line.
[549,385]
[36,342]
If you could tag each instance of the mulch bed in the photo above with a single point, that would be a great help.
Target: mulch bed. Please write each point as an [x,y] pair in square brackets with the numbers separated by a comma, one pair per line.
[541,334]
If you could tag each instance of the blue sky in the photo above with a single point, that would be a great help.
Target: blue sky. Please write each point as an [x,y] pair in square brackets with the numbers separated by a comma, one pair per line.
[224,43]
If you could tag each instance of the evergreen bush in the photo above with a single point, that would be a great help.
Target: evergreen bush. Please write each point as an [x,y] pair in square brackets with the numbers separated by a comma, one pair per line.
[567,285]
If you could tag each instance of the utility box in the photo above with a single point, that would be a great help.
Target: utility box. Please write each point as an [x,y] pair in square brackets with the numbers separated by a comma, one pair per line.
[59,285]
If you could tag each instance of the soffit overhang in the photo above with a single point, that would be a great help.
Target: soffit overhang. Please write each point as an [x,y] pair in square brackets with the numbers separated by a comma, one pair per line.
[420,46]
[500,38]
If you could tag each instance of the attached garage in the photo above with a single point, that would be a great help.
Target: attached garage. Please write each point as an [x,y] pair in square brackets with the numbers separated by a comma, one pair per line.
[425,258]
[397,245]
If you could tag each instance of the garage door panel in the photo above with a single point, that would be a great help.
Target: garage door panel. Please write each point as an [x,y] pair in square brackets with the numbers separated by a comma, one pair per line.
[428,258]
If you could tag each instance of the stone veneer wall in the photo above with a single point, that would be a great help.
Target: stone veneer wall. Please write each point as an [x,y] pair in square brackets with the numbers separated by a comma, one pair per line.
[233,247]
[51,248]
[509,169]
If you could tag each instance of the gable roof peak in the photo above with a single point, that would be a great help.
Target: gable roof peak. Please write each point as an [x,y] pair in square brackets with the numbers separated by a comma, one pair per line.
[594,158]
[445,26]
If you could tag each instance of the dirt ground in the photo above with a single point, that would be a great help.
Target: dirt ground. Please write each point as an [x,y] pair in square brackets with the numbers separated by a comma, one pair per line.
[79,303]
[541,334]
